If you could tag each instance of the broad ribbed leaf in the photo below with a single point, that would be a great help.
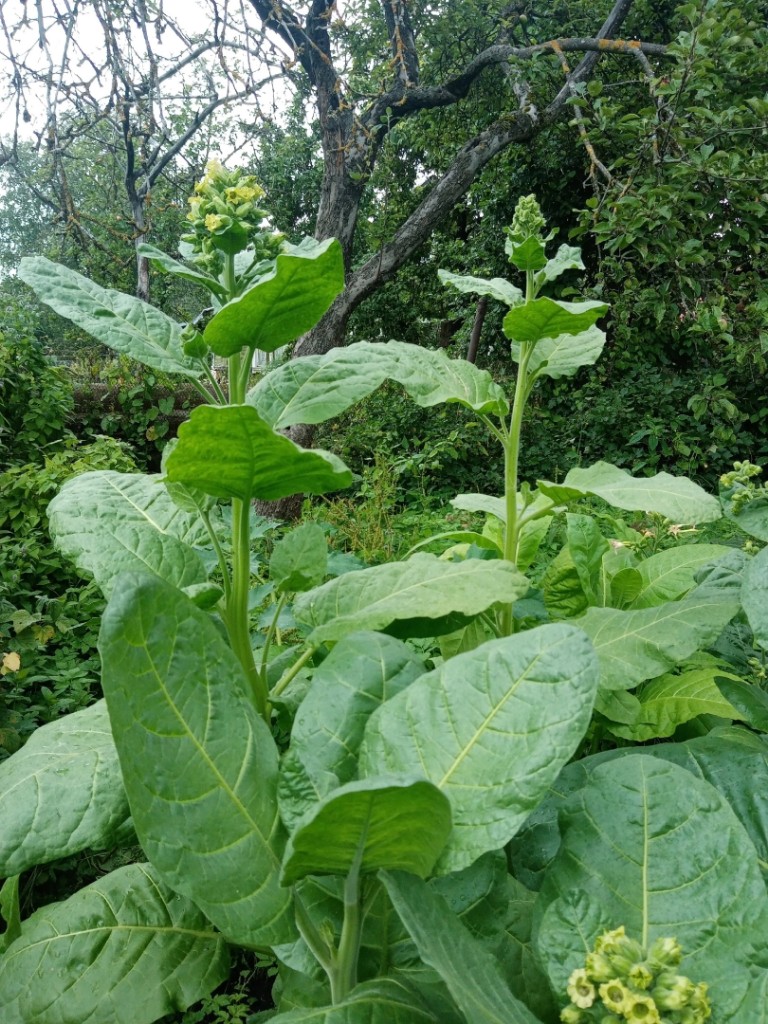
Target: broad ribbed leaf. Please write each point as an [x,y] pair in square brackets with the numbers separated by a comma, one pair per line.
[360,673]
[633,646]
[755,596]
[230,452]
[668,575]
[199,764]
[674,699]
[494,287]
[316,388]
[472,974]
[676,497]
[282,304]
[384,1001]
[124,950]
[109,523]
[182,270]
[61,793]
[546,318]
[486,503]
[662,853]
[120,321]
[370,824]
[10,912]
[748,700]
[491,728]
[587,546]
[423,587]
[299,559]
[564,355]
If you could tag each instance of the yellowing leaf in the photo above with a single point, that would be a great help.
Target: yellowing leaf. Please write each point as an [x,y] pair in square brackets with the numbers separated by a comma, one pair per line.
[11,663]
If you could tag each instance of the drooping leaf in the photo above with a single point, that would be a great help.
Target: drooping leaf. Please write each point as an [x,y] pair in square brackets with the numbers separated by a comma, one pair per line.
[123,950]
[61,793]
[181,270]
[669,574]
[661,853]
[283,304]
[564,355]
[316,388]
[633,646]
[119,321]
[370,824]
[299,560]
[486,503]
[422,587]
[230,452]
[517,953]
[755,596]
[471,973]
[491,728]
[750,702]
[752,517]
[567,257]
[677,498]
[674,699]
[546,318]
[383,1001]
[199,764]
[109,523]
[360,673]
[587,546]
[494,287]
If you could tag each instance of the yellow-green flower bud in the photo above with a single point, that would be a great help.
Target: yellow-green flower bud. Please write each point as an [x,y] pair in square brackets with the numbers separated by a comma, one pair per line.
[573,1015]
[672,991]
[599,967]
[641,1009]
[640,975]
[528,219]
[608,942]
[700,1002]
[580,989]
[615,995]
[192,343]
[217,222]
[665,952]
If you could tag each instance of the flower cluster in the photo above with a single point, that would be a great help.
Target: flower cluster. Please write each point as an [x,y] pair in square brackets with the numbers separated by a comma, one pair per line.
[226,217]
[528,221]
[745,490]
[621,983]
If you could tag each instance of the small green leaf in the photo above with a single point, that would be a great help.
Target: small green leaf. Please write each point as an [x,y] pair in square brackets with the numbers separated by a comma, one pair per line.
[527,255]
[423,587]
[371,824]
[567,257]
[283,304]
[10,912]
[61,793]
[545,318]
[181,270]
[120,321]
[677,498]
[495,287]
[472,974]
[564,355]
[230,452]
[299,560]
[124,950]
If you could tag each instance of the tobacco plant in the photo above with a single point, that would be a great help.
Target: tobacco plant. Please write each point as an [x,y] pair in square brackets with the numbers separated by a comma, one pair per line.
[422,846]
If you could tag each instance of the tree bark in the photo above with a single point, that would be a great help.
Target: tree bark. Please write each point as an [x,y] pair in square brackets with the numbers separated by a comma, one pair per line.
[477,328]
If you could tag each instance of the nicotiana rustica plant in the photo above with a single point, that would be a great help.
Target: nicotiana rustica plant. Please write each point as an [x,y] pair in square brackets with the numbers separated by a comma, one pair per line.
[413,839]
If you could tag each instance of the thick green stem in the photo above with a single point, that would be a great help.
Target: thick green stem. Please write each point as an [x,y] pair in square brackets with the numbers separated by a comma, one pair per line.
[345,974]
[293,671]
[237,606]
[320,949]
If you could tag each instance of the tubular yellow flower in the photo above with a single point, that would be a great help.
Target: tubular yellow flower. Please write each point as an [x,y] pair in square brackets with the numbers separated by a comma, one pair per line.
[214,222]
[641,1009]
[580,989]
[615,995]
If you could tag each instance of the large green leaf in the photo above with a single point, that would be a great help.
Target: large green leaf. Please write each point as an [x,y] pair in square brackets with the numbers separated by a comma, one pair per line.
[299,560]
[472,974]
[494,287]
[199,763]
[124,950]
[182,270]
[362,670]
[675,497]
[671,700]
[316,388]
[486,503]
[230,452]
[422,587]
[61,793]
[110,523]
[669,574]
[660,852]
[120,321]
[384,1001]
[633,646]
[368,825]
[546,318]
[491,728]
[282,304]
[567,257]
[749,701]
[755,596]
[564,355]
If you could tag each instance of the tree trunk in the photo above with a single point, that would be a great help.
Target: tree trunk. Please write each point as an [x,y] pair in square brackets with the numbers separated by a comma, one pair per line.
[477,328]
